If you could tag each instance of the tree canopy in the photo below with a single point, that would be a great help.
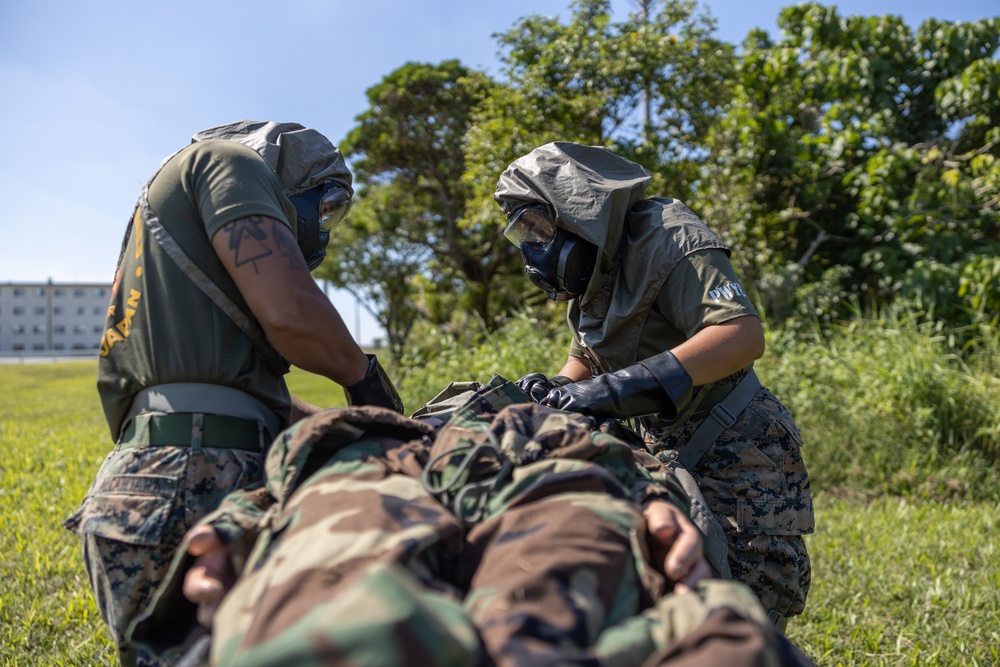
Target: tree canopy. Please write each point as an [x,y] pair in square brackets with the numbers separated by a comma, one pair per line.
[851,161]
[403,251]
[857,161]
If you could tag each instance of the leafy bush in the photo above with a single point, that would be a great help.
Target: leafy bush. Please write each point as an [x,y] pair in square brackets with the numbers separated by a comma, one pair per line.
[886,405]
[523,345]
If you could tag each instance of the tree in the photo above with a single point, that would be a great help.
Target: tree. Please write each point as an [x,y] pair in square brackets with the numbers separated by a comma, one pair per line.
[858,161]
[592,79]
[588,81]
[406,154]
[377,264]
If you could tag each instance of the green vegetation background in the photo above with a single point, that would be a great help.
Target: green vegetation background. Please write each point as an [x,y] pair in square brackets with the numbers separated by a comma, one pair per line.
[901,435]
[852,158]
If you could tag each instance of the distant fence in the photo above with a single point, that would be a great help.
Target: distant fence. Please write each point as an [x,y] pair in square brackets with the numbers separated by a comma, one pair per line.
[47,356]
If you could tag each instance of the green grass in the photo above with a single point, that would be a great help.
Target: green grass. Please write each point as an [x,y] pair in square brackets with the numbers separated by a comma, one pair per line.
[895,581]
[54,437]
[888,407]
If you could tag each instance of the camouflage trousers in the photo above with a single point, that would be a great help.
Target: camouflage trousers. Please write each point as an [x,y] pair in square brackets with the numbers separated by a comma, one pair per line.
[363,568]
[135,515]
[756,484]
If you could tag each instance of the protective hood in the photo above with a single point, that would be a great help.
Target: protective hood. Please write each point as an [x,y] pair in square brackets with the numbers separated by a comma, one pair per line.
[598,196]
[589,190]
[301,157]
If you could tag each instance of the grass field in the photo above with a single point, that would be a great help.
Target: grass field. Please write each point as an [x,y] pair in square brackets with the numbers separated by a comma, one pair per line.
[895,581]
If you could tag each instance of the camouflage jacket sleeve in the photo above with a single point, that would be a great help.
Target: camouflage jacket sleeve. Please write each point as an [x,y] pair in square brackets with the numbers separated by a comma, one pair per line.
[664,483]
[497,430]
[237,521]
[652,480]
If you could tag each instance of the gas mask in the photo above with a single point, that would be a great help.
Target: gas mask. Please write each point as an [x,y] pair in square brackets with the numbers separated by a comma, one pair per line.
[319,210]
[557,262]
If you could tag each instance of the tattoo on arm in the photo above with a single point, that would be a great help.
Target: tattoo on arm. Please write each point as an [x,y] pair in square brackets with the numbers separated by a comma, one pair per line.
[246,240]
[286,247]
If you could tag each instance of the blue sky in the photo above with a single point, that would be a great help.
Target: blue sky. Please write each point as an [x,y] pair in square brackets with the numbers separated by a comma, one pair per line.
[96,93]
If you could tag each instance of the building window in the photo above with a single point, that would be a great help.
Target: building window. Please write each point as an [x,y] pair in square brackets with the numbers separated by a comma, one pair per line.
[79,292]
[79,329]
[18,347]
[39,310]
[18,292]
[58,329]
[17,329]
[18,310]
[39,291]
[98,329]
[38,328]
[80,310]
[59,346]
[57,292]
[57,310]
[37,347]
[98,310]
[100,291]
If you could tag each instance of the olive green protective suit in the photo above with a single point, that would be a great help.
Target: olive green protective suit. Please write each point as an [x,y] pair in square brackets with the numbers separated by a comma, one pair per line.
[661,275]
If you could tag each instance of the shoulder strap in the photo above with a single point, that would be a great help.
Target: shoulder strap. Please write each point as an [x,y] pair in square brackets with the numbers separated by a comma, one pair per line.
[135,211]
[722,416]
[274,361]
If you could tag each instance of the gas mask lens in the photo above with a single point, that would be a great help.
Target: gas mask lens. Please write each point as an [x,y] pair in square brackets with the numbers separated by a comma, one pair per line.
[333,208]
[530,225]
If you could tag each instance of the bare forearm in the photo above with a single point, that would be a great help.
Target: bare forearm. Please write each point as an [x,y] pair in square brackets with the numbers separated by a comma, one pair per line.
[261,255]
[301,409]
[720,350]
[575,369]
[313,337]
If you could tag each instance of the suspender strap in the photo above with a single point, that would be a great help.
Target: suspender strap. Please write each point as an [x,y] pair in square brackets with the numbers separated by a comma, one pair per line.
[272,359]
[722,416]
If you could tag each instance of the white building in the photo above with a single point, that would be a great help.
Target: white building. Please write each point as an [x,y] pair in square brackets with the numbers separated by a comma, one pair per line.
[52,317]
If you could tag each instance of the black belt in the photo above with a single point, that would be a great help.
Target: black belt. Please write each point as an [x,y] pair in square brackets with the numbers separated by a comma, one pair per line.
[177,430]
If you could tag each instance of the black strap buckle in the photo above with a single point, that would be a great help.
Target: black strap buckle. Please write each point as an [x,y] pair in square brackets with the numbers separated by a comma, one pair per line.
[720,414]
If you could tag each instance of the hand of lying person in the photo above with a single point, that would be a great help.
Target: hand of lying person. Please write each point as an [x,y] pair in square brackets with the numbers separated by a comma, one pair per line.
[675,545]
[210,578]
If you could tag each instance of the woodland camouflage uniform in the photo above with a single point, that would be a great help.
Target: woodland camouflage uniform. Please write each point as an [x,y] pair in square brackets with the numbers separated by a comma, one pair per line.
[512,536]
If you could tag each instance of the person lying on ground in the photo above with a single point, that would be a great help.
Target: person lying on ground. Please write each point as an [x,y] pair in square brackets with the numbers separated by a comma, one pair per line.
[506,534]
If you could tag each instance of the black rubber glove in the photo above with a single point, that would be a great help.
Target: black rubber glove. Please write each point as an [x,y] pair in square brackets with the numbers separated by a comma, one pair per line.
[374,389]
[657,385]
[537,386]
